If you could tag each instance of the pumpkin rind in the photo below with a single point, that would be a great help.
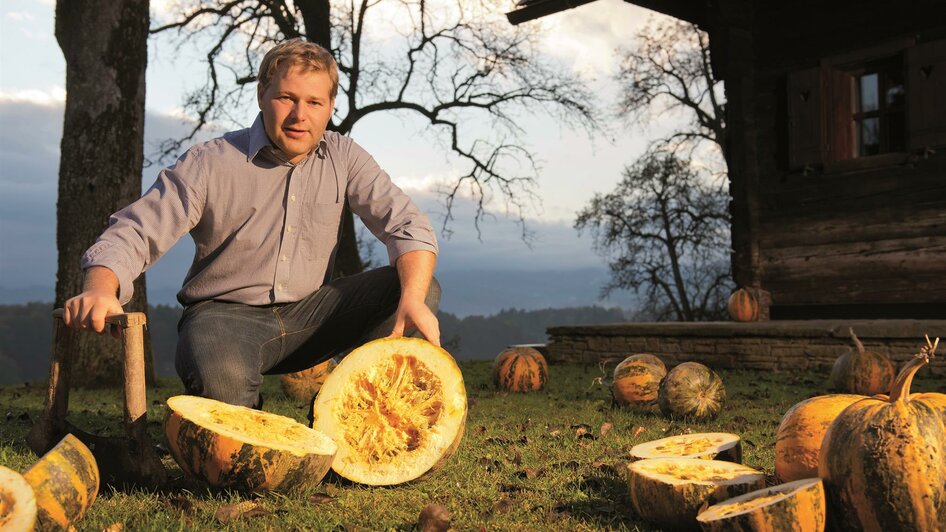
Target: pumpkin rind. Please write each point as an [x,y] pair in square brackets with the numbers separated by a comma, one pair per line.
[17,502]
[743,306]
[236,447]
[303,385]
[704,445]
[801,432]
[397,409]
[636,380]
[520,369]
[669,492]
[797,506]
[691,390]
[65,482]
[862,372]
[883,461]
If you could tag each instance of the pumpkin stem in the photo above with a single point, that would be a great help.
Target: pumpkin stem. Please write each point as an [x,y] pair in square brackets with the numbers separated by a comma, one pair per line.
[901,388]
[857,342]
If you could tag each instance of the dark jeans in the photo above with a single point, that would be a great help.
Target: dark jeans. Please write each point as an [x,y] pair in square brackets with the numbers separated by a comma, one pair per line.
[224,349]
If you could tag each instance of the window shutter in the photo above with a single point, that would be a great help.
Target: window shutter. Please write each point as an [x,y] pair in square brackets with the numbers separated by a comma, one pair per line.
[804,117]
[838,114]
[926,94]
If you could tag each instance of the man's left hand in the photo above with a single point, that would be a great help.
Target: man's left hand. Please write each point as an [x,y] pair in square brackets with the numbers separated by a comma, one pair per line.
[415,314]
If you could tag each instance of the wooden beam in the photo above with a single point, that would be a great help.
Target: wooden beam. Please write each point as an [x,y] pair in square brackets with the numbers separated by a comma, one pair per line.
[533,9]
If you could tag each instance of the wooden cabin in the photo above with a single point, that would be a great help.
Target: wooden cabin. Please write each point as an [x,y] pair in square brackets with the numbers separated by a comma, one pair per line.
[836,120]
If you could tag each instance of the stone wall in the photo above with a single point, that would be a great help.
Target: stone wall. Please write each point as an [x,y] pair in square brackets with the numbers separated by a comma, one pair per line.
[766,346]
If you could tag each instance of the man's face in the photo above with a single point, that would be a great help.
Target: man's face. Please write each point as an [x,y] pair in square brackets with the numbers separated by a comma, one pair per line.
[296,106]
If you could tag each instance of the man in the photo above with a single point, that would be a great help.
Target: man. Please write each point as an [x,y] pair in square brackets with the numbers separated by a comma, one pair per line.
[264,207]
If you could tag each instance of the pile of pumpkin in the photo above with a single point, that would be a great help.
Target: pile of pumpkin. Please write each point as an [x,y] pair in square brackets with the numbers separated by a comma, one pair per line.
[864,463]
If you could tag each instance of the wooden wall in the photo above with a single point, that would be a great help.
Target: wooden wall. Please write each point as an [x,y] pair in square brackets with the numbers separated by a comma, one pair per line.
[866,238]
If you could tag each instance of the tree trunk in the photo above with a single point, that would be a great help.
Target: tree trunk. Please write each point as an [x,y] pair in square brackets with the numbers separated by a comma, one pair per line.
[315,17]
[105,46]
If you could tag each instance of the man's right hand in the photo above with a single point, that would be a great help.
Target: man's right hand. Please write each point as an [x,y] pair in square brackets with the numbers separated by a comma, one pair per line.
[98,300]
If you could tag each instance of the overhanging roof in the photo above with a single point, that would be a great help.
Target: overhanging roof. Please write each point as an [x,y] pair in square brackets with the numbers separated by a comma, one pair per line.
[689,10]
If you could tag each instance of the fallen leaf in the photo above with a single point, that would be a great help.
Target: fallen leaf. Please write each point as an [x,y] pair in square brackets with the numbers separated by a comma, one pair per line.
[331,490]
[114,527]
[578,426]
[180,503]
[531,473]
[571,464]
[321,498]
[638,431]
[503,506]
[498,440]
[491,465]
[606,428]
[434,518]
[481,429]
[231,512]
[517,458]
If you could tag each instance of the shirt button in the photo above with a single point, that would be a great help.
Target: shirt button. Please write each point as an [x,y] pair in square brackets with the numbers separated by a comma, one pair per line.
[288,228]
[292,198]
[279,287]
[284,258]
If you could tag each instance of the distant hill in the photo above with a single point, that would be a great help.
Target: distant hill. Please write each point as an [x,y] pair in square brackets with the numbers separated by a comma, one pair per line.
[26,334]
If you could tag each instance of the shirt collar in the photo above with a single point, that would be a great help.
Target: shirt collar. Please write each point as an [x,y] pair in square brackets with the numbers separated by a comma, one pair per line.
[259,140]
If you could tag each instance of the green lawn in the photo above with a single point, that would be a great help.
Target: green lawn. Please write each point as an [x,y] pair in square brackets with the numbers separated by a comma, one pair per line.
[527,461]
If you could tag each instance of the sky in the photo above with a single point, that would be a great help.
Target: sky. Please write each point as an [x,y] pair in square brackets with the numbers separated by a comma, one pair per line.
[572,166]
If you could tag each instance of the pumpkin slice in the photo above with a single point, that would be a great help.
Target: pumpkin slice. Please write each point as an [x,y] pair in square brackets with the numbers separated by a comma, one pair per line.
[707,446]
[17,501]
[797,506]
[65,482]
[801,431]
[670,491]
[396,407]
[303,385]
[237,447]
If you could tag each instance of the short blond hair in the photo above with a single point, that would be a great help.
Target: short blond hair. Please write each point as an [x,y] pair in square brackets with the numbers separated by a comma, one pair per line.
[302,53]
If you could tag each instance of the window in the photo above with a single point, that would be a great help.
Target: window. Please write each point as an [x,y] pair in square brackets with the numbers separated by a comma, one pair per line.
[879,114]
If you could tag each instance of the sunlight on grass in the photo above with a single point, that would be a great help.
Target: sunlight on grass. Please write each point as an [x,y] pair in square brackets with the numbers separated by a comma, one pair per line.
[527,461]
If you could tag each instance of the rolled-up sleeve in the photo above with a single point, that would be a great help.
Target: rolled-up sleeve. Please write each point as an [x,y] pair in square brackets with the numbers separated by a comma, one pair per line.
[142,232]
[384,208]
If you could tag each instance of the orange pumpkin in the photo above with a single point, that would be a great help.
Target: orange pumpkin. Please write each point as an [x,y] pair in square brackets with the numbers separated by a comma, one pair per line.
[17,502]
[65,481]
[801,432]
[883,460]
[797,506]
[636,380]
[520,369]
[862,372]
[743,306]
[303,385]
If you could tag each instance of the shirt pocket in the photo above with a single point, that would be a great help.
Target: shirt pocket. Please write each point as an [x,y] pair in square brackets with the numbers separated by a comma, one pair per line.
[320,235]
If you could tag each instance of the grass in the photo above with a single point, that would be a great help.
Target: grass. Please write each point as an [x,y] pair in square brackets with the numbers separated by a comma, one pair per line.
[527,461]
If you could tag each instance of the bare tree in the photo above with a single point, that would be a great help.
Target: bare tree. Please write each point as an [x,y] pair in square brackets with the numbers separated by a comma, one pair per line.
[456,65]
[669,73]
[665,232]
[105,44]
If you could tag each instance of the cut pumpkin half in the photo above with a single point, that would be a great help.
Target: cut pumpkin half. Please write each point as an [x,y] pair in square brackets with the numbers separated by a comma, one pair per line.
[797,506]
[705,445]
[17,502]
[236,447]
[670,491]
[397,409]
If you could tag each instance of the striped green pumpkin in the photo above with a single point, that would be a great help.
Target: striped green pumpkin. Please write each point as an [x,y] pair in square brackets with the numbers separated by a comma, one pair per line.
[637,379]
[520,369]
[862,372]
[883,460]
[743,306]
[65,481]
[693,391]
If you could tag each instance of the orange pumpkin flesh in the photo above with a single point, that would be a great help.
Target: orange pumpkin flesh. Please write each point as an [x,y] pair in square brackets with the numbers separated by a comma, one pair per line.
[303,385]
[65,482]
[801,432]
[743,306]
[636,380]
[862,372]
[397,409]
[520,369]
[17,502]
[796,506]
[237,447]
[691,390]
[883,461]
[669,492]
[706,445]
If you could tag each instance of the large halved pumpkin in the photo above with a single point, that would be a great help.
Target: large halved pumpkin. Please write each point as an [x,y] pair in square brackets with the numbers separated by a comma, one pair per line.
[237,447]
[704,445]
[17,502]
[637,379]
[801,431]
[65,482]
[669,492]
[796,506]
[397,409]
[883,460]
